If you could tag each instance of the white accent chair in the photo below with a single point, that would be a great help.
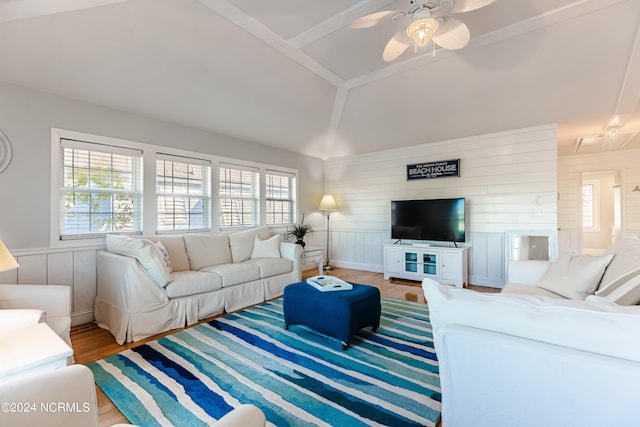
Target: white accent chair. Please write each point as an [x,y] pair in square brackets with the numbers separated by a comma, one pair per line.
[67,397]
[53,302]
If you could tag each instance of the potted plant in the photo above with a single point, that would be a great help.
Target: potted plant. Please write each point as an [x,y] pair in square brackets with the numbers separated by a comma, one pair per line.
[299,230]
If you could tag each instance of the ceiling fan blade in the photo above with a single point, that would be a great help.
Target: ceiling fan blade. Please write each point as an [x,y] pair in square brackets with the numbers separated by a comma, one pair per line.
[460,6]
[373,19]
[396,46]
[452,34]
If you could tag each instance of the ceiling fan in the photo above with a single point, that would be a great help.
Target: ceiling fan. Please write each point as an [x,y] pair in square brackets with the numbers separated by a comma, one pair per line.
[428,20]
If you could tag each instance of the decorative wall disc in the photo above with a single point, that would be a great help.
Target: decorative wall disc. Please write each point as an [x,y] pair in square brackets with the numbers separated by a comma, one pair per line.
[5,151]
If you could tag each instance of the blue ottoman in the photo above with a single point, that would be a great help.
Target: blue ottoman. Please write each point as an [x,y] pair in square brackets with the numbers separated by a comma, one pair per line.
[339,313]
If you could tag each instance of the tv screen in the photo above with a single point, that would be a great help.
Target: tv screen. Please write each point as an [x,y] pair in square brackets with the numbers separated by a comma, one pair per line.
[441,220]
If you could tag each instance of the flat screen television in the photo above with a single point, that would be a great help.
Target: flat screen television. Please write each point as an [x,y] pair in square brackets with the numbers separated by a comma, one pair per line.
[440,220]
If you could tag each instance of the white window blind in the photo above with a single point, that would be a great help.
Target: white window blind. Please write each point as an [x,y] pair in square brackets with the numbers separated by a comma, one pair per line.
[239,196]
[101,189]
[280,197]
[183,194]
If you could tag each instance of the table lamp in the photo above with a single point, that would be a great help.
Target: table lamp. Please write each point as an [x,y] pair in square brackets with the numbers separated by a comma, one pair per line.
[7,261]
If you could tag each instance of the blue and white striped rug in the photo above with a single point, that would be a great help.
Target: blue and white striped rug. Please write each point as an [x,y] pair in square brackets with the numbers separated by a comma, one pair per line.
[296,376]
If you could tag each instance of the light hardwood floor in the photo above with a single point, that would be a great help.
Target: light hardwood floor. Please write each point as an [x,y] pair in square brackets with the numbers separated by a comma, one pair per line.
[91,343]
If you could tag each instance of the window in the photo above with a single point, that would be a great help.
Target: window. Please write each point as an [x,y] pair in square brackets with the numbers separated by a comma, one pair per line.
[182,187]
[590,203]
[280,197]
[104,185]
[101,189]
[239,196]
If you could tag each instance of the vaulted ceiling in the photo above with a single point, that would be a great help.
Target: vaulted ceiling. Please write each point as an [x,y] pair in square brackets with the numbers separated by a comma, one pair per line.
[293,74]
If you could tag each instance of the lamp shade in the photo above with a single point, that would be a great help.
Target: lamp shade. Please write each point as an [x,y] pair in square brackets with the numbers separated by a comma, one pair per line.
[328,203]
[7,261]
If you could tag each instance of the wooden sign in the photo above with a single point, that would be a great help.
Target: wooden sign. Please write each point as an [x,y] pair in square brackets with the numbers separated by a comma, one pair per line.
[441,169]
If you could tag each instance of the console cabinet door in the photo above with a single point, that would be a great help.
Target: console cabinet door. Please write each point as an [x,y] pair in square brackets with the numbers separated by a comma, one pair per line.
[452,267]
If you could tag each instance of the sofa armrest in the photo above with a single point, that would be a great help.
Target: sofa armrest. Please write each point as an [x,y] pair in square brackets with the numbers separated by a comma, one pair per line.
[244,415]
[293,252]
[526,272]
[55,300]
[125,283]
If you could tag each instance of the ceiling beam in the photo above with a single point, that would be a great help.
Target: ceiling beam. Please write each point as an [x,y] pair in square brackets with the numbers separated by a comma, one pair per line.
[335,22]
[254,27]
[22,9]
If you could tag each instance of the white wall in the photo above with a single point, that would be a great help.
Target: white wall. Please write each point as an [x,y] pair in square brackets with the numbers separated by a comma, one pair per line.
[503,177]
[570,170]
[27,116]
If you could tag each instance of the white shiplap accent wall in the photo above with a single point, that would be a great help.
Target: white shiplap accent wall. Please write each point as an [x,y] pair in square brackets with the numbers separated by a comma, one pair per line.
[570,170]
[503,175]
[75,268]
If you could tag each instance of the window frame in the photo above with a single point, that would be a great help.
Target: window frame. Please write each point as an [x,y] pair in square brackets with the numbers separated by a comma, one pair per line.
[254,199]
[92,188]
[204,195]
[292,199]
[149,196]
[595,203]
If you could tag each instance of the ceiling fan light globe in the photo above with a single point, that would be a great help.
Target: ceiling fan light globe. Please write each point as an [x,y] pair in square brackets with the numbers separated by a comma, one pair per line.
[421,30]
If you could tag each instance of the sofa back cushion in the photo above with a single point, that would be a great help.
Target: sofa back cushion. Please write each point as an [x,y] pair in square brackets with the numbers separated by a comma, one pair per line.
[205,250]
[145,251]
[575,276]
[242,242]
[174,244]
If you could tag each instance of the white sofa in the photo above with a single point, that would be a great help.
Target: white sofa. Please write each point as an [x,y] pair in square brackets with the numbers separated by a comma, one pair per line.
[146,287]
[528,357]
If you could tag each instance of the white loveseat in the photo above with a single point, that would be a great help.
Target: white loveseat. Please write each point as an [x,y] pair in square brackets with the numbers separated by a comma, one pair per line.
[528,357]
[152,284]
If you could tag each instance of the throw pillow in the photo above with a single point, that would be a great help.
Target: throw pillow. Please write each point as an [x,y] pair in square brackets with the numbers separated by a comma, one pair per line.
[269,248]
[575,276]
[241,242]
[145,252]
[165,255]
[205,250]
[623,292]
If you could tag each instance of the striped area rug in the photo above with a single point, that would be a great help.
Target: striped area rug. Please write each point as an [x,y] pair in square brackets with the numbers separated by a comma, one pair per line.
[296,376]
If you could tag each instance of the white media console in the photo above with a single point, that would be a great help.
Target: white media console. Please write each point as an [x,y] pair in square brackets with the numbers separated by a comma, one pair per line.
[415,262]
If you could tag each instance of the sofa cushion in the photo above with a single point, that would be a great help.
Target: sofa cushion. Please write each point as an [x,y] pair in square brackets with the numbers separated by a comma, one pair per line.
[522,289]
[144,251]
[271,266]
[241,242]
[205,250]
[232,274]
[185,283]
[575,276]
[269,248]
[175,248]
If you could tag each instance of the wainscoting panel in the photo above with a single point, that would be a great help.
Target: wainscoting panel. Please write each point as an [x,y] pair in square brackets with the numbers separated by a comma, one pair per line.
[74,267]
[487,258]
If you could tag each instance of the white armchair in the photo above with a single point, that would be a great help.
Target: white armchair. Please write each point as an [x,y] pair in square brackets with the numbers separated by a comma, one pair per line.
[54,301]
[67,397]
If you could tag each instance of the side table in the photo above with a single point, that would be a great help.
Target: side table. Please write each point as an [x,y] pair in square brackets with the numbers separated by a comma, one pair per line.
[313,254]
[31,349]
